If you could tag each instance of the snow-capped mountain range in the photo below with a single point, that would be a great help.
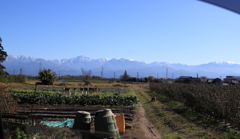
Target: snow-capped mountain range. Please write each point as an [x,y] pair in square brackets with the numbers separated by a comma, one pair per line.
[72,66]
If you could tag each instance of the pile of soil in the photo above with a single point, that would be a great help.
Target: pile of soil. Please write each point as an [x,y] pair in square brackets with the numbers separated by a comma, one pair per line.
[87,83]
[62,84]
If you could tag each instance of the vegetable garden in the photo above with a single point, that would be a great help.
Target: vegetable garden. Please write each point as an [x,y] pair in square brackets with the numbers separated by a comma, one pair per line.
[53,96]
[103,90]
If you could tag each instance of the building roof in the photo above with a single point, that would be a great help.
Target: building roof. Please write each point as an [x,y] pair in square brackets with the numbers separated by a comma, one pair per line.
[185,77]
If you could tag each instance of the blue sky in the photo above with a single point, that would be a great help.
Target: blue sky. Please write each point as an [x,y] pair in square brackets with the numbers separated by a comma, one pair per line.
[190,32]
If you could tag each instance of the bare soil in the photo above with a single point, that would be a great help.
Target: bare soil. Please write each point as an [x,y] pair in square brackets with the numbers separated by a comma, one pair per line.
[142,127]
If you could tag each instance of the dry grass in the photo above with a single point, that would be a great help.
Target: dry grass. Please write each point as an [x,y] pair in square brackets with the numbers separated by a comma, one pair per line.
[7,103]
[171,124]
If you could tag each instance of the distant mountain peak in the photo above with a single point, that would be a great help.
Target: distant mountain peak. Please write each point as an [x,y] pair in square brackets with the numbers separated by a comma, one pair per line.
[73,66]
[224,62]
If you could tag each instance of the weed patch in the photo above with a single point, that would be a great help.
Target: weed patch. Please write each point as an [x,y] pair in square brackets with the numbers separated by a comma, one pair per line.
[174,120]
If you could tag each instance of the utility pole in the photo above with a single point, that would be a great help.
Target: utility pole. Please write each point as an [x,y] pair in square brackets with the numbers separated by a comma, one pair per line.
[102,72]
[137,75]
[166,73]
[21,71]
[172,75]
[114,74]
[40,65]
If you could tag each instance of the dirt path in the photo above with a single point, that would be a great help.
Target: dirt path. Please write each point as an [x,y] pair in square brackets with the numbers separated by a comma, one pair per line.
[141,121]
[142,127]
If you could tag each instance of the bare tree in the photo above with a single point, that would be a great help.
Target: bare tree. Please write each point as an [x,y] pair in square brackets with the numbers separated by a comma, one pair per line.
[86,72]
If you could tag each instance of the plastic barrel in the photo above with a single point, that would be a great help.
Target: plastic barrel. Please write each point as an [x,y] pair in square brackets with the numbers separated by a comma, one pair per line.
[82,124]
[105,124]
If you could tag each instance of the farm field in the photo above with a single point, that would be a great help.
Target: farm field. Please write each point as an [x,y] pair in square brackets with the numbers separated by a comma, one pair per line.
[164,118]
[58,103]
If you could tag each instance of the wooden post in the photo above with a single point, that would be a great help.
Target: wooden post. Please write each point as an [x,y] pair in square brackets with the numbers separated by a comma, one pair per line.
[75,91]
[33,101]
[5,102]
[67,91]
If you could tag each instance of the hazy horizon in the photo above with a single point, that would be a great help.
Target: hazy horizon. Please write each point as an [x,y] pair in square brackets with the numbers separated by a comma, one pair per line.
[230,62]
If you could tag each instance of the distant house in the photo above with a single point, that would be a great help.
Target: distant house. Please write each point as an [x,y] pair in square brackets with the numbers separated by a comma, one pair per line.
[129,80]
[187,79]
[203,79]
[184,78]
[210,80]
[233,80]
[214,81]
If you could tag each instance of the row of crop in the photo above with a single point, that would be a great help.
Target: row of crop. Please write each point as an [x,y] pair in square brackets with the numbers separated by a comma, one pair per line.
[114,90]
[60,99]
[216,101]
[103,90]
[26,92]
[50,88]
